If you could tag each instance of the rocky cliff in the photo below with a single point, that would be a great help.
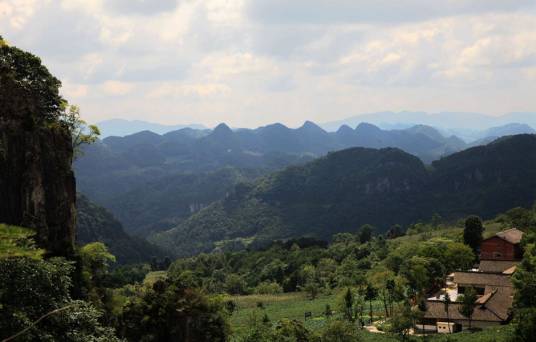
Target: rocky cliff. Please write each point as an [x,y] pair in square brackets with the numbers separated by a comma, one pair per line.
[37,185]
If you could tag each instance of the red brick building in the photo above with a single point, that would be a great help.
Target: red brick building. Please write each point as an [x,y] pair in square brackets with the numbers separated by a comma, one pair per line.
[504,246]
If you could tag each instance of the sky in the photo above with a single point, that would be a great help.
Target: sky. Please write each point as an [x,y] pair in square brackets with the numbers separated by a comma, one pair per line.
[254,62]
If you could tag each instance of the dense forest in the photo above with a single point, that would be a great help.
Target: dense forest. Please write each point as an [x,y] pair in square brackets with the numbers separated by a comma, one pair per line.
[350,188]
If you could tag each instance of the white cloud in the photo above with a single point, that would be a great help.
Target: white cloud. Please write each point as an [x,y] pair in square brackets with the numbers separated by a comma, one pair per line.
[117,88]
[180,90]
[252,62]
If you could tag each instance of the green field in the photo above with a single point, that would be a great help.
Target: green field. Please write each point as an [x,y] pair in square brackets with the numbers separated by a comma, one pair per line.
[287,305]
[294,305]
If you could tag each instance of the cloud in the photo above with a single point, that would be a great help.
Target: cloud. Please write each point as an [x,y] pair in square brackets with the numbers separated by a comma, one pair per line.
[181,90]
[141,7]
[372,11]
[252,62]
[117,88]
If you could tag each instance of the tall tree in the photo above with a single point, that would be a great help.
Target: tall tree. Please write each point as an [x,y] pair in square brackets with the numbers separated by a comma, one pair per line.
[447,302]
[524,281]
[468,304]
[472,233]
[365,233]
[370,295]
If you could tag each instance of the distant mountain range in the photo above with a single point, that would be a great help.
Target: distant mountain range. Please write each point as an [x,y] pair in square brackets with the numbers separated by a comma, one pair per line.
[346,189]
[121,127]
[464,125]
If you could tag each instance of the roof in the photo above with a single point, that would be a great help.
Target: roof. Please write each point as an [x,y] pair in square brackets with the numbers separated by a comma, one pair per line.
[496,266]
[485,298]
[482,279]
[511,270]
[513,235]
[493,307]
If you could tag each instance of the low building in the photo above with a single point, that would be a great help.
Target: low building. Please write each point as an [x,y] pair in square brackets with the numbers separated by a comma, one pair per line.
[503,246]
[499,258]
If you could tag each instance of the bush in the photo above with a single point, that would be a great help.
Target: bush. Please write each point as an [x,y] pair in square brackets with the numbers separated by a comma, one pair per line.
[268,288]
[340,331]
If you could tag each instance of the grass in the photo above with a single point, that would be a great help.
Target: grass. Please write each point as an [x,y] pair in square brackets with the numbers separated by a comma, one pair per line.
[287,305]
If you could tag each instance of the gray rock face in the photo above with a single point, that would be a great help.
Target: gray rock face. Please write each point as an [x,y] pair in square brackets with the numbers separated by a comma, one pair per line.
[37,184]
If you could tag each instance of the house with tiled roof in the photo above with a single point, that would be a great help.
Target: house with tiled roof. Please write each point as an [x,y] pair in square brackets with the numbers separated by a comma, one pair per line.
[499,257]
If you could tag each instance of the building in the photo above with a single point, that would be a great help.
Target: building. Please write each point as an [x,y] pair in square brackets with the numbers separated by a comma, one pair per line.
[499,257]
[504,246]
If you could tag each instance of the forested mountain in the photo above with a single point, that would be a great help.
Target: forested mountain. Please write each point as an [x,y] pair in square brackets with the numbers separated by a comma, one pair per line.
[346,189]
[152,182]
[164,203]
[96,224]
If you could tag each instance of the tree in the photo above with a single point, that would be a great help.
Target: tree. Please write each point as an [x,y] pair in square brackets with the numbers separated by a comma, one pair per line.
[395,231]
[370,295]
[402,321]
[81,132]
[35,302]
[312,288]
[340,331]
[22,76]
[365,233]
[235,284]
[525,329]
[524,280]
[328,312]
[422,306]
[468,304]
[447,302]
[472,233]
[348,306]
[290,330]
[170,312]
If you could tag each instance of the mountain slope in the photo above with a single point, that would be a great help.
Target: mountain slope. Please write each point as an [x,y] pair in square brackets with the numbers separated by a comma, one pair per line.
[162,204]
[347,189]
[95,223]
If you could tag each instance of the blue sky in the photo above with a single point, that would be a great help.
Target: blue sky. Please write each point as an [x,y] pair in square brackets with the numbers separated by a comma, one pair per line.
[252,62]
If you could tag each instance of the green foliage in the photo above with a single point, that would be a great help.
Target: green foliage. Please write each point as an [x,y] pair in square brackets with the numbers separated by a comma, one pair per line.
[336,193]
[268,288]
[472,234]
[340,331]
[169,312]
[18,242]
[525,325]
[81,132]
[22,76]
[524,279]
[521,218]
[365,233]
[402,320]
[127,274]
[469,304]
[31,289]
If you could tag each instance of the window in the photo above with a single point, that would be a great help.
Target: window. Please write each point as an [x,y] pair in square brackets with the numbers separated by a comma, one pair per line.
[497,255]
